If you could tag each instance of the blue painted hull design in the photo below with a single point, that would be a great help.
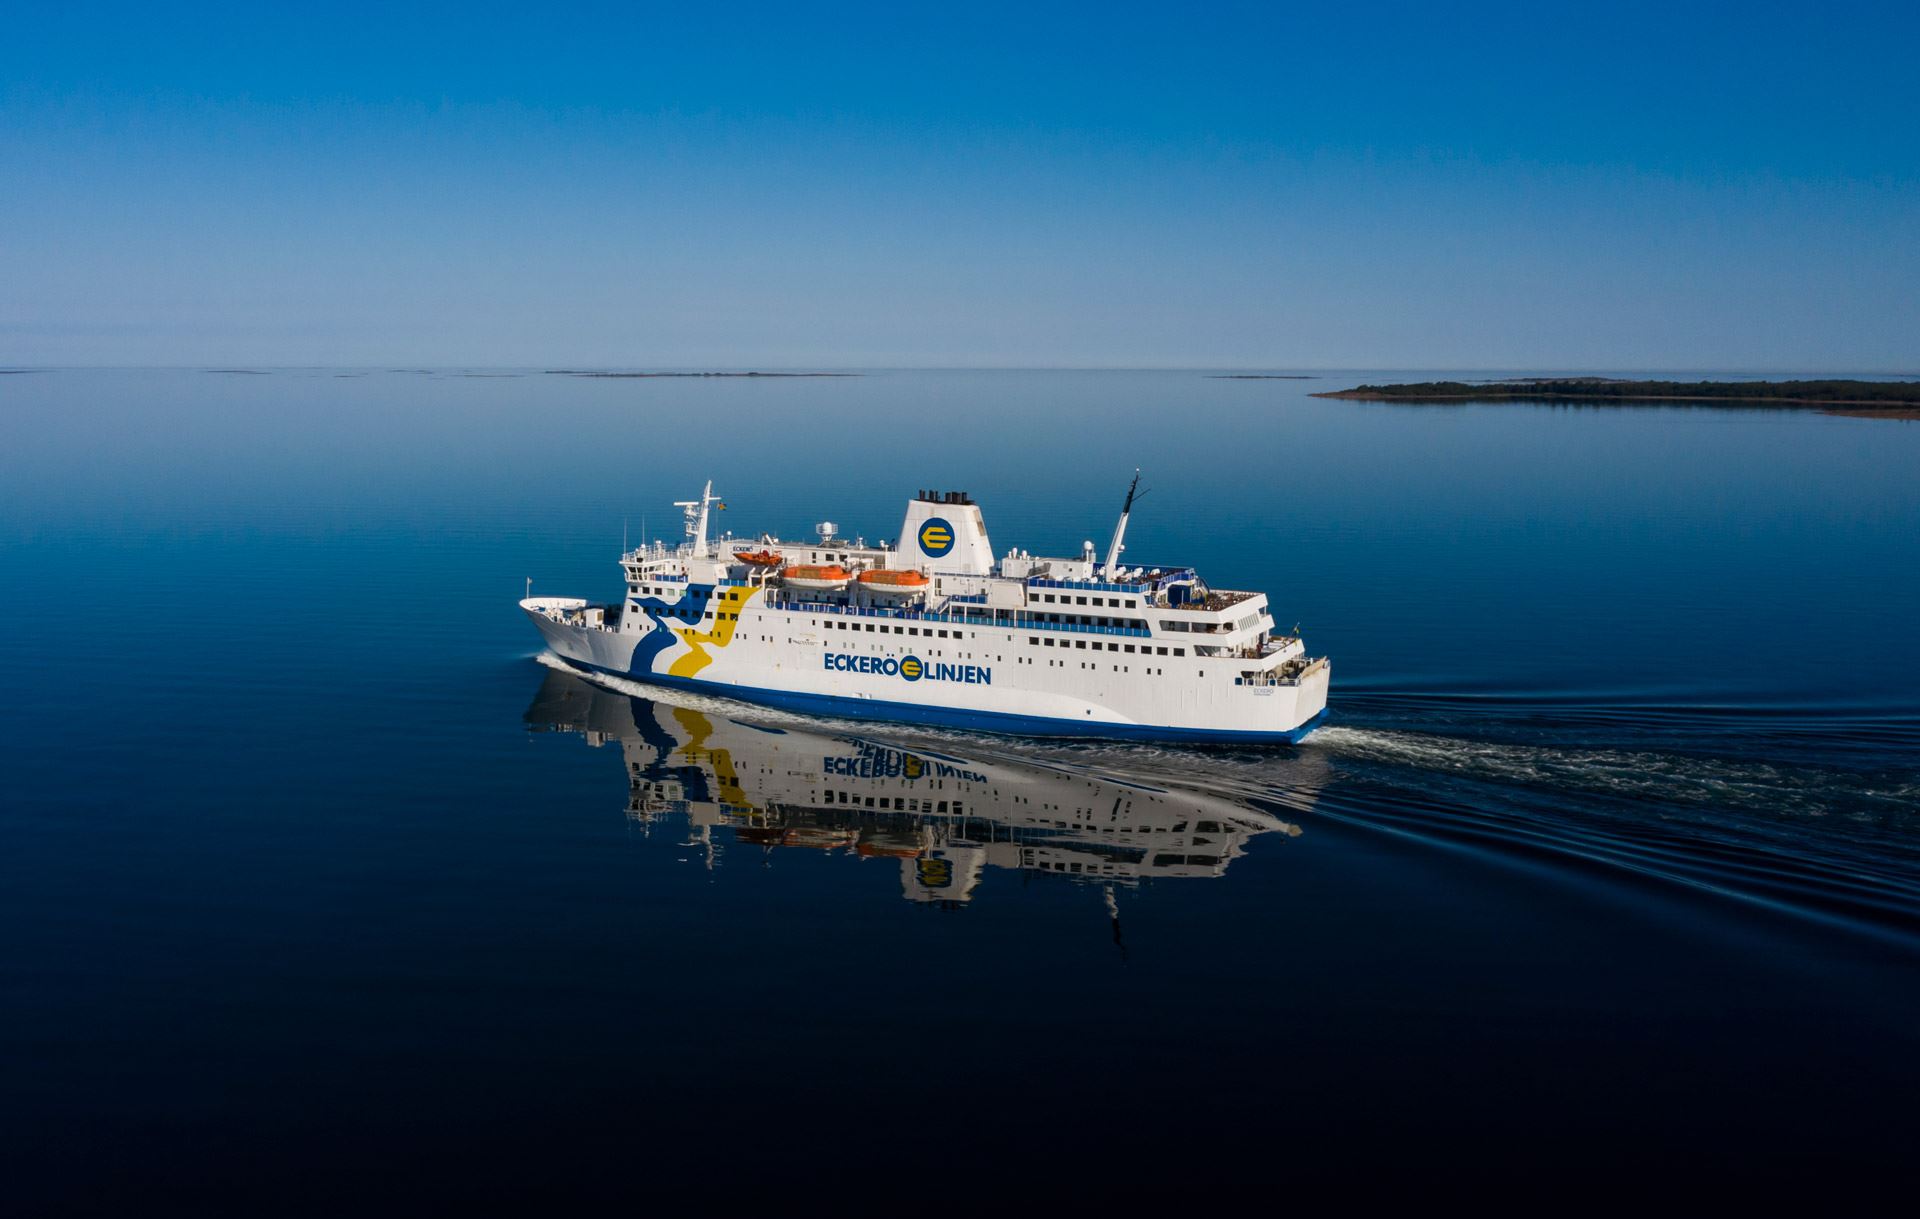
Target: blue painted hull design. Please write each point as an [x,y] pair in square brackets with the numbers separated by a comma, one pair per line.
[974,721]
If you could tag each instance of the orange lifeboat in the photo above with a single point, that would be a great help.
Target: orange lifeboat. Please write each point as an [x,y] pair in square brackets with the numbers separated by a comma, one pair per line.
[822,579]
[758,558]
[888,583]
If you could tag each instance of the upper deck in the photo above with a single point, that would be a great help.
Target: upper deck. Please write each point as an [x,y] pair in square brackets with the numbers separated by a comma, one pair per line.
[966,585]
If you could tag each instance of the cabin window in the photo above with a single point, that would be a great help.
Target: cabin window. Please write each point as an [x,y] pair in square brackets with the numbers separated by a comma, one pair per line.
[1162,651]
[1129,647]
[1079,600]
[1079,643]
[1179,651]
[1033,639]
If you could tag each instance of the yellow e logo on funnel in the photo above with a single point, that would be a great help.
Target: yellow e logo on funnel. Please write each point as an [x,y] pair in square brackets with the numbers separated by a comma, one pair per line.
[936,537]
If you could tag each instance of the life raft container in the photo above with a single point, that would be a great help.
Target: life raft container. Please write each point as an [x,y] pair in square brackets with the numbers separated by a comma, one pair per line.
[821,578]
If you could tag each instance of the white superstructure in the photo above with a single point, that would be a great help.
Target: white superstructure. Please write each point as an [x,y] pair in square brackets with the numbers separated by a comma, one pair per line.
[935,629]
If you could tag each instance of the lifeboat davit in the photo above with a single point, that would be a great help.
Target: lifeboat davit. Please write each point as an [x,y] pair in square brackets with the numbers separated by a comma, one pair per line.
[883,582]
[758,558]
[823,579]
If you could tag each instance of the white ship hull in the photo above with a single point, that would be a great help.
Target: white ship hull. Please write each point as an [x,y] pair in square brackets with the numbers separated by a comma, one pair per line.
[791,672]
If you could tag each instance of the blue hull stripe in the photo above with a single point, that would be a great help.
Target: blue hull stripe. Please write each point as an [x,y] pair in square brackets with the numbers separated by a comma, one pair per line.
[948,717]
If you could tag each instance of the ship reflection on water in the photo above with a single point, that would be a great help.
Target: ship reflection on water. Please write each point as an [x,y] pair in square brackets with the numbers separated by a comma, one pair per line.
[946,819]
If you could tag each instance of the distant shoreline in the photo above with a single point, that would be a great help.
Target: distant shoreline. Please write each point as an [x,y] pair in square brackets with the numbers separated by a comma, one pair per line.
[1860,399]
[575,372]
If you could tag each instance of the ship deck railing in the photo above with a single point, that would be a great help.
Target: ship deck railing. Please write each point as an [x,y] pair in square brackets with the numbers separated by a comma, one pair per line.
[1139,588]
[1018,622]
[1213,602]
[1281,676]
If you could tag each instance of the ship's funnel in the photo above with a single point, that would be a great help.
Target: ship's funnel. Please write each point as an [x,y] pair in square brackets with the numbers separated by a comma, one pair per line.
[944,531]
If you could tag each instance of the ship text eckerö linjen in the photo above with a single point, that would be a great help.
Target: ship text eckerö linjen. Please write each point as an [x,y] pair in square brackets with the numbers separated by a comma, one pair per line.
[935,630]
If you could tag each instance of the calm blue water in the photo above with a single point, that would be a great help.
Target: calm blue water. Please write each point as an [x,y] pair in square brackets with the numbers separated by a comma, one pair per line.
[1609,856]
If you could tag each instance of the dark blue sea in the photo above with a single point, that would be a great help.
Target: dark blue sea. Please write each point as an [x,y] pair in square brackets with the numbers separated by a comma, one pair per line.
[320,891]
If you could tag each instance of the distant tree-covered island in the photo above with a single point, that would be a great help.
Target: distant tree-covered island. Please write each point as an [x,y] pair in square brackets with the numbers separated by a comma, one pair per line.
[1874,399]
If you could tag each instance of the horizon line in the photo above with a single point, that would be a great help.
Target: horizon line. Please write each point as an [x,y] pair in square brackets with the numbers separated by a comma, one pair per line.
[1558,369]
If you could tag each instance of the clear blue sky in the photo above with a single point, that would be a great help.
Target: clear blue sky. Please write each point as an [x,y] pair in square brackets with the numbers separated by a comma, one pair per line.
[1320,185]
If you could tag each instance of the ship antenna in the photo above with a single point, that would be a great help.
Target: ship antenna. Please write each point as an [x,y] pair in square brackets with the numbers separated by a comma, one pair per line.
[1120,531]
[695,511]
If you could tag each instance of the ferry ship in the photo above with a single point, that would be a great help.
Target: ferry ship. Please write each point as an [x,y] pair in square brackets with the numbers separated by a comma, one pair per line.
[934,629]
[946,820]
